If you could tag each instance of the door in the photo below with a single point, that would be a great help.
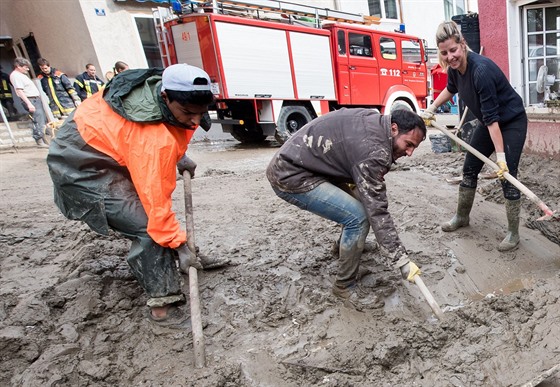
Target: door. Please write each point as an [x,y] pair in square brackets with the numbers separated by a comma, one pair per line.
[413,67]
[389,64]
[341,65]
[362,69]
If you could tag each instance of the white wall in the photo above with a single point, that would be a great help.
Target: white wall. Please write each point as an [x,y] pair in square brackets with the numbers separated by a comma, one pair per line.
[115,35]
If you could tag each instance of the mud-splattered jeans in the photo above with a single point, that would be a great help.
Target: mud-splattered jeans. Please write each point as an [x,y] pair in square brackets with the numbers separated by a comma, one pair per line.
[333,203]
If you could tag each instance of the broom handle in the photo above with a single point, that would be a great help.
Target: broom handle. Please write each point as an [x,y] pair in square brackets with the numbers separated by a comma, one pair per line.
[547,211]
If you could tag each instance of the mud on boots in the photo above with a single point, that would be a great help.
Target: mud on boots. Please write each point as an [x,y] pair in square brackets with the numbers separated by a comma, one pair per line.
[513,208]
[464,206]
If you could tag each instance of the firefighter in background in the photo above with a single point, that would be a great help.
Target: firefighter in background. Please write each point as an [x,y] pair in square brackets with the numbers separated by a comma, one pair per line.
[6,95]
[87,83]
[63,98]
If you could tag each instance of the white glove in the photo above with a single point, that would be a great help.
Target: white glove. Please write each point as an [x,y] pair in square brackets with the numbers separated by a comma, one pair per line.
[429,115]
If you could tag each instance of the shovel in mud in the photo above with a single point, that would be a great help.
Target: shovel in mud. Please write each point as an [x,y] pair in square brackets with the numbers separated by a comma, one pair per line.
[548,213]
[196,318]
[428,296]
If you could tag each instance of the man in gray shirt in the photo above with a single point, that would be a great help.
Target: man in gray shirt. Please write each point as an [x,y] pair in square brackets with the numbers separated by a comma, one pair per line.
[314,168]
[31,99]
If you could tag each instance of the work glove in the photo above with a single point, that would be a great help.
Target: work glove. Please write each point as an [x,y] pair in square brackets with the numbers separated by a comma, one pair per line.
[429,115]
[501,161]
[186,164]
[187,259]
[408,268]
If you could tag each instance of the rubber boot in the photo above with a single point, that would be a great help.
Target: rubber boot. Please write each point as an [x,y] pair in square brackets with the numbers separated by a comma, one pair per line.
[464,206]
[513,208]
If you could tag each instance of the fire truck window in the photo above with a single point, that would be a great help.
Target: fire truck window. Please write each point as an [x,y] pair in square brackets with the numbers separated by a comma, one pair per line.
[360,45]
[411,51]
[341,36]
[388,48]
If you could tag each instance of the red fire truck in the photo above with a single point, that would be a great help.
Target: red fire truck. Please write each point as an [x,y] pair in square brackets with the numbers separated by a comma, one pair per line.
[271,77]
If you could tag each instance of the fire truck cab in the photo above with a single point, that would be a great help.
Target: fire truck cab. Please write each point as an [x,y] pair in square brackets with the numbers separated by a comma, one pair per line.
[270,77]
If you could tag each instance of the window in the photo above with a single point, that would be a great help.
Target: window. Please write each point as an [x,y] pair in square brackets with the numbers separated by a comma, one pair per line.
[341,35]
[386,9]
[453,8]
[360,45]
[388,48]
[542,53]
[149,40]
[411,51]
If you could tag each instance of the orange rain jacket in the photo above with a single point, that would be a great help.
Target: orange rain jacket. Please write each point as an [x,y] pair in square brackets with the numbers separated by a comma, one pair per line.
[150,152]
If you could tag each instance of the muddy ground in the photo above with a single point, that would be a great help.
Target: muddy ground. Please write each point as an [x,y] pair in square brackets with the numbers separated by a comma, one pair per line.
[71,314]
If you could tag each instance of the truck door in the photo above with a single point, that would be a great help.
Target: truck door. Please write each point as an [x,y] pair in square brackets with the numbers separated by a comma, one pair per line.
[362,69]
[413,67]
[341,64]
[389,64]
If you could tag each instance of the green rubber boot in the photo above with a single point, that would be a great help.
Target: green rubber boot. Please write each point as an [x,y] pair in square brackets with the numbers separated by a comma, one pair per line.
[464,206]
[513,208]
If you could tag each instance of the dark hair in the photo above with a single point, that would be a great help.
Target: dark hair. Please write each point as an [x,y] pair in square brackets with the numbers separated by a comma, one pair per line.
[88,65]
[119,67]
[196,97]
[43,62]
[407,121]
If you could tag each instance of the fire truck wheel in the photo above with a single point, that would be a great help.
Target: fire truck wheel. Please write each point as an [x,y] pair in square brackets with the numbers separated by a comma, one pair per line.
[400,105]
[248,134]
[290,120]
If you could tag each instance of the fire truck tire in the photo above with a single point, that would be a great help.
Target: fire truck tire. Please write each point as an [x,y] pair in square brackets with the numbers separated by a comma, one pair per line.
[290,120]
[400,105]
[248,134]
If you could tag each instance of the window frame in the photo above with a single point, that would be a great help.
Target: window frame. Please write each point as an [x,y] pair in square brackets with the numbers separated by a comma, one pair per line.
[532,63]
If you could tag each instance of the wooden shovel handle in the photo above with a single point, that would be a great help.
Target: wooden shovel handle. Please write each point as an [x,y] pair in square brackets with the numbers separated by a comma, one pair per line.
[196,315]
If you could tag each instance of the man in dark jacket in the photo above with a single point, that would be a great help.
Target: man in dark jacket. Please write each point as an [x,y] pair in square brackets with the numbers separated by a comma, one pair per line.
[63,98]
[314,168]
[113,166]
[87,83]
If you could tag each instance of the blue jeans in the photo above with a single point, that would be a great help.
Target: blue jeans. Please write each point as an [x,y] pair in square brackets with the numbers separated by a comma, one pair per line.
[334,203]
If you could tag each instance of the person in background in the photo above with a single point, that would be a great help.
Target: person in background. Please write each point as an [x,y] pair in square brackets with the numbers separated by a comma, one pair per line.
[31,99]
[88,83]
[486,91]
[63,98]
[313,169]
[109,75]
[6,95]
[120,67]
[113,166]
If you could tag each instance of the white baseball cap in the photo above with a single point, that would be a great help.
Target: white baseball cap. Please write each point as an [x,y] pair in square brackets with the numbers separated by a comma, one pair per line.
[181,77]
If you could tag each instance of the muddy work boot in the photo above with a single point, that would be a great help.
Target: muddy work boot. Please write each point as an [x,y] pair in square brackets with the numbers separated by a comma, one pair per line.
[354,297]
[513,208]
[464,206]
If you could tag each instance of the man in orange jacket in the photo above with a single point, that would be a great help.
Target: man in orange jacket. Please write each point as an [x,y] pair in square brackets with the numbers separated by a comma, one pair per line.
[113,166]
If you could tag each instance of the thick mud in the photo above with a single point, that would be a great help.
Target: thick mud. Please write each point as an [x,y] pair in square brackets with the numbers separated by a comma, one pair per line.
[72,314]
